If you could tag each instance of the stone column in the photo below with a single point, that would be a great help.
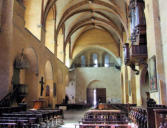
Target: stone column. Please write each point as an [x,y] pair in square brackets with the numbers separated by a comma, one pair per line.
[43,34]
[125,84]
[154,43]
[163,17]
[6,39]
[100,59]
[88,58]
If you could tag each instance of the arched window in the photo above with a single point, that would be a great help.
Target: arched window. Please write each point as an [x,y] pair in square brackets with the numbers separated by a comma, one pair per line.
[106,60]
[32,17]
[60,50]
[95,60]
[49,37]
[83,61]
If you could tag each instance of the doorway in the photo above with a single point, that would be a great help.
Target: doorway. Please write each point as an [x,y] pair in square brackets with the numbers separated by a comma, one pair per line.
[96,95]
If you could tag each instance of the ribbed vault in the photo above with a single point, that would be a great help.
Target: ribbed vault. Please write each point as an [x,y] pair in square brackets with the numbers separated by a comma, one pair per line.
[76,17]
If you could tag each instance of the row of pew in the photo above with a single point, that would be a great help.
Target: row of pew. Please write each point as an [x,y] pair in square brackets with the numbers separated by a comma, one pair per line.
[104,116]
[42,118]
[105,119]
[150,117]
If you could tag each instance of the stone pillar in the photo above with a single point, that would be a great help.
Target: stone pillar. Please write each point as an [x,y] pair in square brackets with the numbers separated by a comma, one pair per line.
[100,60]
[88,58]
[55,50]
[64,59]
[43,34]
[6,39]
[70,49]
[138,88]
[163,17]
[125,84]
[154,43]
[133,86]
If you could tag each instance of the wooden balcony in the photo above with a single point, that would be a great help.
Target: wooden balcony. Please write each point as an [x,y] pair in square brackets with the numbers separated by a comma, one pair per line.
[134,53]
[138,53]
[139,35]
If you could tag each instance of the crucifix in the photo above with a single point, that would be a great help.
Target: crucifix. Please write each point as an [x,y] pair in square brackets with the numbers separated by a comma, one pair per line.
[42,83]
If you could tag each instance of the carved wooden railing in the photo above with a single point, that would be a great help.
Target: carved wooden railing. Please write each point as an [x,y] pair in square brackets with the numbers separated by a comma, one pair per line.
[138,51]
[138,36]
[15,96]
[134,53]
[9,98]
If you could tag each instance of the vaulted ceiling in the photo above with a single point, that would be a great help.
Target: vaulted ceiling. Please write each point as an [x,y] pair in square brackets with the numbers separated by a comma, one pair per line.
[78,16]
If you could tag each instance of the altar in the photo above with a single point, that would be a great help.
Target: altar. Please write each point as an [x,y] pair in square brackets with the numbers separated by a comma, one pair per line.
[40,103]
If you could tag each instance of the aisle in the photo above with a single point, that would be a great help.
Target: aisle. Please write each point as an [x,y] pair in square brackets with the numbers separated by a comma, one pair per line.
[71,118]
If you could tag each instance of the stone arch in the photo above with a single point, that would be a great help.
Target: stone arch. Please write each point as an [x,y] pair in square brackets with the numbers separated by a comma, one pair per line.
[97,84]
[48,88]
[96,42]
[27,74]
[60,45]
[67,14]
[31,75]
[82,51]
[49,33]
[33,18]
[48,70]
[98,21]
[33,58]
[90,85]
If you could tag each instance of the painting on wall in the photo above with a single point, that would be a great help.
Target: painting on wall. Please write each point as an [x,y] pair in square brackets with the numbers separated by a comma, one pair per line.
[54,89]
[47,90]
[152,74]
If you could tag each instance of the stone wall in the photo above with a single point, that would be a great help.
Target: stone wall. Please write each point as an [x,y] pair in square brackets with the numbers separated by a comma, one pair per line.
[16,38]
[108,78]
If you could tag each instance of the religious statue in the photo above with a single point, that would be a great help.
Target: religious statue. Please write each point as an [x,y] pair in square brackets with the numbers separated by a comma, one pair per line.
[42,84]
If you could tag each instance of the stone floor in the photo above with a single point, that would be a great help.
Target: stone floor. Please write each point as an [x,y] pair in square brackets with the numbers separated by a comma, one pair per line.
[71,118]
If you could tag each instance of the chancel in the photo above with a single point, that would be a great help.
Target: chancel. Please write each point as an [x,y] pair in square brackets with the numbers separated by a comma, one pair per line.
[83,63]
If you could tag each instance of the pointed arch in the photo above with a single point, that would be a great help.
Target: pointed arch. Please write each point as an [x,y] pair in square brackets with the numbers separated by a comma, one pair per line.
[33,13]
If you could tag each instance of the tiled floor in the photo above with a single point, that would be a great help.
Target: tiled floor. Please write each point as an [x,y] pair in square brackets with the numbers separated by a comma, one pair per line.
[71,118]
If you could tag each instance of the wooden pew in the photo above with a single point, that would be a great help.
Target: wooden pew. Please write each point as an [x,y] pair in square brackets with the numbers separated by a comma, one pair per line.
[105,116]
[31,118]
[8,125]
[106,126]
